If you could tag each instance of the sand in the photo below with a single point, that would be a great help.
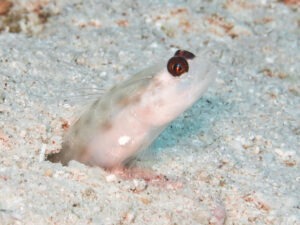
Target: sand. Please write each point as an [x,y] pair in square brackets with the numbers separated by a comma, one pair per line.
[236,152]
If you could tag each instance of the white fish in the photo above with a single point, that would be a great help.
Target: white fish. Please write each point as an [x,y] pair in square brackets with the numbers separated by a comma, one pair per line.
[133,113]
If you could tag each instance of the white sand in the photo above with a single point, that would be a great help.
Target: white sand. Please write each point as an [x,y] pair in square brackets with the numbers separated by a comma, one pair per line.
[236,151]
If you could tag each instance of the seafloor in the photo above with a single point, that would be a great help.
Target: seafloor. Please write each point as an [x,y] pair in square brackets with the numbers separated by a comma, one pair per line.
[236,152]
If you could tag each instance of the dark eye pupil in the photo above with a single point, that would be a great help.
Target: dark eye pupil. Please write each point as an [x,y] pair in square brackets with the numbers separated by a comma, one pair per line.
[177,68]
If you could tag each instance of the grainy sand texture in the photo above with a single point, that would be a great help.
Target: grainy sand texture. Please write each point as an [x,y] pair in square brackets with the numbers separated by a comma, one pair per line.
[236,152]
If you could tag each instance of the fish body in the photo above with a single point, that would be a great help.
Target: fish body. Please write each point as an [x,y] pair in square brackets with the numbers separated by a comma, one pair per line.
[133,113]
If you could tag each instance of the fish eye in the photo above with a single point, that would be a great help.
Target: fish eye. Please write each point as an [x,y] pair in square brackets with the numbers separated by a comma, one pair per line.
[177,65]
